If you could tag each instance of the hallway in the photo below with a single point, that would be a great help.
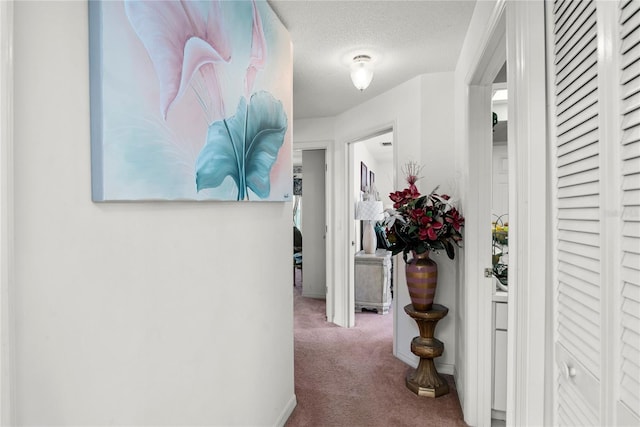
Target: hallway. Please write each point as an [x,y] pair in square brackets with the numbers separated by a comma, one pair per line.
[349,377]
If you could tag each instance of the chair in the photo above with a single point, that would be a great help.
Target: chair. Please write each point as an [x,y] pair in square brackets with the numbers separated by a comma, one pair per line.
[297,252]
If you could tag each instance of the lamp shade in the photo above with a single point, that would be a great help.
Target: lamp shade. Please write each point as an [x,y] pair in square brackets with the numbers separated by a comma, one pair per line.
[361,72]
[370,210]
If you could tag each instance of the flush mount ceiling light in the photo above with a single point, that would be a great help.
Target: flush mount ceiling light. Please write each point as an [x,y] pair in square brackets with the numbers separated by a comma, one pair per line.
[361,71]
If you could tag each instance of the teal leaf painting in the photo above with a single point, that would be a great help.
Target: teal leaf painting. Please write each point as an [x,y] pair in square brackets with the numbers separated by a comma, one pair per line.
[244,146]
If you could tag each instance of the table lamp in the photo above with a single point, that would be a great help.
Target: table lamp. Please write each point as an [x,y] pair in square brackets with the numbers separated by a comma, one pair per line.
[369,211]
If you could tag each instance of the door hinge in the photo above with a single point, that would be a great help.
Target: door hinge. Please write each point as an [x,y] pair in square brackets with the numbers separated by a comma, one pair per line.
[488,272]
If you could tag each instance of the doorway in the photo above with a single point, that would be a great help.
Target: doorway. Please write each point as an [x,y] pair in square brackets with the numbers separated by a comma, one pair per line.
[371,162]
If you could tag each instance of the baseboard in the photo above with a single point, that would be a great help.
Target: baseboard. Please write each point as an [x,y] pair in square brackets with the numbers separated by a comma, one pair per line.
[498,415]
[408,358]
[412,360]
[445,368]
[312,295]
[286,412]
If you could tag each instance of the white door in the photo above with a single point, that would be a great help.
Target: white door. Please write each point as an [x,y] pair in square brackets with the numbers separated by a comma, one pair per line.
[314,278]
[596,146]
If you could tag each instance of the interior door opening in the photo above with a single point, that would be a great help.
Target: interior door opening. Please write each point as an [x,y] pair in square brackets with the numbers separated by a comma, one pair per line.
[371,179]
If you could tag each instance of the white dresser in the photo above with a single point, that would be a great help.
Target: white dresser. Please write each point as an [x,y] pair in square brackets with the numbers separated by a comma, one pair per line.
[373,281]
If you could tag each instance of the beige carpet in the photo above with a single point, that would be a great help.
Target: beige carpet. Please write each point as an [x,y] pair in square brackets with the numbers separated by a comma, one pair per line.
[349,377]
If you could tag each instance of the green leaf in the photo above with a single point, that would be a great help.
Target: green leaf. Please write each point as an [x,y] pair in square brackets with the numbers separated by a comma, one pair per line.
[244,146]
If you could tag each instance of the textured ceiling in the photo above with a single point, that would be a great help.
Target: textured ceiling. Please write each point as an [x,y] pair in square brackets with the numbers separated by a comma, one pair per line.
[404,38]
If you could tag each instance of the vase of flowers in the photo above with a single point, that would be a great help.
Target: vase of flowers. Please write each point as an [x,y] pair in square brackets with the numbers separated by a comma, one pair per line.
[419,224]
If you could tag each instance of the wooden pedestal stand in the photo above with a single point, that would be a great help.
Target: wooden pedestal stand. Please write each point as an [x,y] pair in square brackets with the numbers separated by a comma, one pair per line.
[425,380]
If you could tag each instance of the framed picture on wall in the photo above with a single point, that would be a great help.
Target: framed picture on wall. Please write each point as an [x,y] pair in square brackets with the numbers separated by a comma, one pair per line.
[174,117]
[372,178]
[364,176]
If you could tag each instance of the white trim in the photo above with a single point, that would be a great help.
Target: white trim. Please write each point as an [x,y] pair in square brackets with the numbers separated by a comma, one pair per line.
[524,31]
[527,213]
[479,289]
[609,77]
[6,214]
[552,370]
[286,412]
[495,28]
[328,195]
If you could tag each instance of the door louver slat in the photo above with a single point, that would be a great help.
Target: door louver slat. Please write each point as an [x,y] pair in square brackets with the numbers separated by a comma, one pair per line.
[582,130]
[589,279]
[631,72]
[571,29]
[580,411]
[591,264]
[572,110]
[589,86]
[629,149]
[578,281]
[576,48]
[628,9]
[632,48]
[578,237]
[579,226]
[569,63]
[585,110]
[572,247]
[568,167]
[559,7]
[631,104]
[630,23]
[587,141]
[567,88]
[579,202]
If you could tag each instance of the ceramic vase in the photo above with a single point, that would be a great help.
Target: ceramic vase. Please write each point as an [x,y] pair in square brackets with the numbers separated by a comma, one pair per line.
[422,279]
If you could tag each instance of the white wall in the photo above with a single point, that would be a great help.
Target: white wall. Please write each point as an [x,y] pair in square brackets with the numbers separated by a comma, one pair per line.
[438,156]
[420,132]
[314,130]
[133,313]
[385,176]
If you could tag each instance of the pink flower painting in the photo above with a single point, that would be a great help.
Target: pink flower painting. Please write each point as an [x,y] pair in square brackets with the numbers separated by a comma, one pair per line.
[191,100]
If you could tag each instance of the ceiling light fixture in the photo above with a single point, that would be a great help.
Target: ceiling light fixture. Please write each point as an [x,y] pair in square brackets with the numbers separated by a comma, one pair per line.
[361,72]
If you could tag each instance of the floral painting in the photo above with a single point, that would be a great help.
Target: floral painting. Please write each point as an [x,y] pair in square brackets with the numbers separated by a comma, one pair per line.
[190,100]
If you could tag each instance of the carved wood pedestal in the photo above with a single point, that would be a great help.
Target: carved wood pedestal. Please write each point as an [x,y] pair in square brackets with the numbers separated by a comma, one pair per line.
[425,380]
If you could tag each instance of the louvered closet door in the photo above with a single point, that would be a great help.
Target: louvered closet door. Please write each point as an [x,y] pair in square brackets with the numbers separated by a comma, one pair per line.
[597,161]
[628,405]
[578,284]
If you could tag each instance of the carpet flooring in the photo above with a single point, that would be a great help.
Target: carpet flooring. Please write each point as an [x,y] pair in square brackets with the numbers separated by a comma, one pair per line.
[349,376]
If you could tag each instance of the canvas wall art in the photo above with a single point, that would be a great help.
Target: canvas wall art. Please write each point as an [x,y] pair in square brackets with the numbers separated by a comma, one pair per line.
[190,100]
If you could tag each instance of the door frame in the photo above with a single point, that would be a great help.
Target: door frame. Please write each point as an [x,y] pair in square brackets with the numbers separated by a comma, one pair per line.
[351,174]
[479,289]
[520,25]
[6,214]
